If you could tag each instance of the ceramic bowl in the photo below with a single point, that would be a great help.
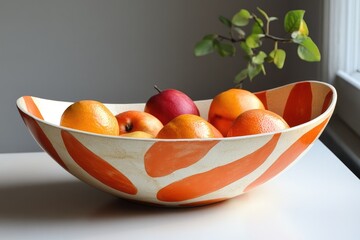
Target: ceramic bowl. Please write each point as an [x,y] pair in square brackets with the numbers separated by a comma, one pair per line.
[184,172]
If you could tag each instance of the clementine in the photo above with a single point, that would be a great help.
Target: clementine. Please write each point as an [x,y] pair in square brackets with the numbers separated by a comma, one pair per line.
[228,105]
[257,121]
[188,126]
[91,116]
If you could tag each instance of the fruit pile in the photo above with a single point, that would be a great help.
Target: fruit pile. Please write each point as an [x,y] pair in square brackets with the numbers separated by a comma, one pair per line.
[171,114]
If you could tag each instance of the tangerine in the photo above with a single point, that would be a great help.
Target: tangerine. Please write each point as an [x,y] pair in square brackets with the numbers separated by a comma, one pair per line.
[90,116]
[228,105]
[257,121]
[188,126]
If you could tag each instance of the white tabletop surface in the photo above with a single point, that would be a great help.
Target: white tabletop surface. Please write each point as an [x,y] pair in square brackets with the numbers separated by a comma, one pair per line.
[317,198]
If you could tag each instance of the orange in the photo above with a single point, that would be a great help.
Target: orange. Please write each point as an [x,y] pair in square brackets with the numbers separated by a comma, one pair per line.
[188,126]
[257,121]
[90,116]
[228,105]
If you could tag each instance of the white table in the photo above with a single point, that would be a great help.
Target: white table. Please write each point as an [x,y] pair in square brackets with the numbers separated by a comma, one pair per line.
[317,198]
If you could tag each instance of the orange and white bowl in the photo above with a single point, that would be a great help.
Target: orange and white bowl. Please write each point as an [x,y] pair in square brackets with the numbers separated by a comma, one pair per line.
[184,172]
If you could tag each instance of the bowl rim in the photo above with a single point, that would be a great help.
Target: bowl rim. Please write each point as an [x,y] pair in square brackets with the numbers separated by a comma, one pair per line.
[329,109]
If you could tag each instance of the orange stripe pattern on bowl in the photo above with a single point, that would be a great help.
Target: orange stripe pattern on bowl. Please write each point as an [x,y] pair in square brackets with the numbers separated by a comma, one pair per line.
[187,172]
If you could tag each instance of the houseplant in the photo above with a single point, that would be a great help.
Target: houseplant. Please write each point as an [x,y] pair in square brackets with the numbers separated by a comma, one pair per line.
[247,31]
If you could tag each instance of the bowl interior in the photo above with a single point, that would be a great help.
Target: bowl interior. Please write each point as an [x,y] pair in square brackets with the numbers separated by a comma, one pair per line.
[296,103]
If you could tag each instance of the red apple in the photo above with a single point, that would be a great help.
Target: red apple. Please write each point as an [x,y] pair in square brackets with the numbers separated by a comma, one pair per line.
[131,121]
[170,103]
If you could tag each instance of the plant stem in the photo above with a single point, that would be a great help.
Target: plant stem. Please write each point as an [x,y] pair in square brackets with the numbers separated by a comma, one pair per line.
[283,40]
[278,39]
[265,32]
[231,39]
[259,24]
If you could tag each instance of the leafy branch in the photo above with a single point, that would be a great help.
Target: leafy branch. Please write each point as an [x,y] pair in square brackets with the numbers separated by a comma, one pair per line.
[250,43]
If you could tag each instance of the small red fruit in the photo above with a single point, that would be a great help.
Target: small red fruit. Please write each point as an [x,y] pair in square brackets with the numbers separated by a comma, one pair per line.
[131,121]
[170,103]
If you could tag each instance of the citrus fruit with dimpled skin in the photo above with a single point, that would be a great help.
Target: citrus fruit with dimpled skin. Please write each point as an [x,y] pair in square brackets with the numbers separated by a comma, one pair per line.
[228,105]
[188,126]
[90,116]
[257,121]
[169,104]
[131,121]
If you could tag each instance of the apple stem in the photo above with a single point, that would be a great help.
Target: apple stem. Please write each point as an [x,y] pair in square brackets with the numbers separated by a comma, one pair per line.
[128,127]
[157,88]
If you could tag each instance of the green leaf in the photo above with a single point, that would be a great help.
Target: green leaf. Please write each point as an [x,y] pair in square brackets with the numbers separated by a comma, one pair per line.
[292,20]
[253,70]
[246,49]
[308,51]
[263,69]
[278,56]
[225,21]
[241,18]
[303,29]
[225,49]
[263,13]
[240,33]
[241,76]
[302,34]
[297,37]
[256,29]
[253,40]
[210,37]
[204,47]
[259,21]
[259,58]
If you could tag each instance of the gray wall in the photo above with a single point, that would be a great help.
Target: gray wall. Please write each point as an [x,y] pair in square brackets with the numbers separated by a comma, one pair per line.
[115,51]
